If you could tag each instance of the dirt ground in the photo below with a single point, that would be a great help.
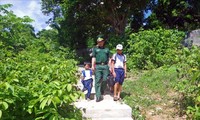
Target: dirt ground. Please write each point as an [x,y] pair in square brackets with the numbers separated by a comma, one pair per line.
[168,110]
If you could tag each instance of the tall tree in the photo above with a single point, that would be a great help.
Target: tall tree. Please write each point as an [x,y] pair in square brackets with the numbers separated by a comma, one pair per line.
[15,32]
[180,14]
[80,19]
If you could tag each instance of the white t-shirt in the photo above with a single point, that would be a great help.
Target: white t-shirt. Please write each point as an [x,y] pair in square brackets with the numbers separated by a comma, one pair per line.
[88,74]
[120,59]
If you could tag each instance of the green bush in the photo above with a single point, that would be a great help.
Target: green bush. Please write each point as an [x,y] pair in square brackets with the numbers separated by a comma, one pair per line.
[189,84]
[150,49]
[38,83]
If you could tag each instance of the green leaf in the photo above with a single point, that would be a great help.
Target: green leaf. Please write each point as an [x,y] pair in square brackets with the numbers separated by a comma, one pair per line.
[29,110]
[43,68]
[57,83]
[198,98]
[54,103]
[59,92]
[7,85]
[49,101]
[72,97]
[5,105]
[52,117]
[0,113]
[42,105]
[16,80]
[11,89]
[56,100]
[69,87]
[47,114]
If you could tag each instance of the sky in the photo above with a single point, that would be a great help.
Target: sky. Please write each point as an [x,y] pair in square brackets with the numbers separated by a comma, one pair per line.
[31,8]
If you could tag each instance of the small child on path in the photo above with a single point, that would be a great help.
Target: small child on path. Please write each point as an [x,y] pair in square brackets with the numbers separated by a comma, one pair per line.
[118,67]
[86,79]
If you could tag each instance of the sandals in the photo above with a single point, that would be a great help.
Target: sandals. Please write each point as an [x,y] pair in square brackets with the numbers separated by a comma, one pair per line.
[119,98]
[115,98]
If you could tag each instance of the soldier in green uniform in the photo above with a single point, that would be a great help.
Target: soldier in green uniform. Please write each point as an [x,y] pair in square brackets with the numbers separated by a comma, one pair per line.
[100,59]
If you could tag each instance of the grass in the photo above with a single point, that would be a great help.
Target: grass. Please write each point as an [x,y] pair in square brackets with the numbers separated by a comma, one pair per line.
[144,90]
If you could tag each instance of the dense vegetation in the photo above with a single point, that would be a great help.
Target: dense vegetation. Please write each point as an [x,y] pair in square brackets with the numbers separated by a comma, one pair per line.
[38,71]
[77,21]
[170,66]
[37,78]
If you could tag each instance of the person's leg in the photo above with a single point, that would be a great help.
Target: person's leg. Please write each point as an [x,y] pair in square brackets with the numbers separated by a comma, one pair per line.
[121,80]
[84,88]
[98,74]
[105,76]
[119,91]
[116,91]
[116,86]
[88,87]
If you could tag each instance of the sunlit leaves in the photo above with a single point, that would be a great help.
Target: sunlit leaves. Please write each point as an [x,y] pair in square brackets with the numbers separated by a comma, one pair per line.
[15,32]
[154,48]
[38,80]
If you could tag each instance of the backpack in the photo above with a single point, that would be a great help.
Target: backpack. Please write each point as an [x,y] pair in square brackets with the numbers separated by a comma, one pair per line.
[116,57]
[85,75]
[110,80]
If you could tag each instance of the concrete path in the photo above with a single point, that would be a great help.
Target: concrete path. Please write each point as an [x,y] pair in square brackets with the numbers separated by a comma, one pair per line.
[107,109]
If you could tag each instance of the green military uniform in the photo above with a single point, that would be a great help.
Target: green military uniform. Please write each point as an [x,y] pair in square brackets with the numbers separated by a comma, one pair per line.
[102,69]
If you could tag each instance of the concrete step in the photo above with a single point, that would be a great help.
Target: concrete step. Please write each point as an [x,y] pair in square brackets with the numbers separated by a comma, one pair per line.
[124,118]
[107,108]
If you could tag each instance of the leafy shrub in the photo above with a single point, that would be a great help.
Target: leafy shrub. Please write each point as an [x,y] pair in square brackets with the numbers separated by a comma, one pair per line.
[154,48]
[38,84]
[189,85]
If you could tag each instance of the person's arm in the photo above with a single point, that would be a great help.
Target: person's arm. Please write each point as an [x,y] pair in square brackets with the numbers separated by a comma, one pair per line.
[113,65]
[113,68]
[110,64]
[93,63]
[125,69]
[93,59]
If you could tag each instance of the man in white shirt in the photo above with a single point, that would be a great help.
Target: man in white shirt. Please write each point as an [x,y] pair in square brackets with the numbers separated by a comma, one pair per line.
[118,67]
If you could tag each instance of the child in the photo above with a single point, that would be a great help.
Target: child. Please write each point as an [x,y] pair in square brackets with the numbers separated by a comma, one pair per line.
[86,79]
[118,68]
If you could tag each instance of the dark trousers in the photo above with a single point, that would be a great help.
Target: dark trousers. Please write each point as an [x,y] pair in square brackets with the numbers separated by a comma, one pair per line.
[88,85]
[101,74]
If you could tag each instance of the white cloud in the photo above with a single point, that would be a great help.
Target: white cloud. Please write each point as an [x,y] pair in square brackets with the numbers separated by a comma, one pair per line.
[31,8]
[48,27]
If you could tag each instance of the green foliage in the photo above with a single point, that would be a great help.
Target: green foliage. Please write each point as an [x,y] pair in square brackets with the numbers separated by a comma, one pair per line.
[15,33]
[154,48]
[113,40]
[189,85]
[78,20]
[37,85]
[179,14]
[37,78]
